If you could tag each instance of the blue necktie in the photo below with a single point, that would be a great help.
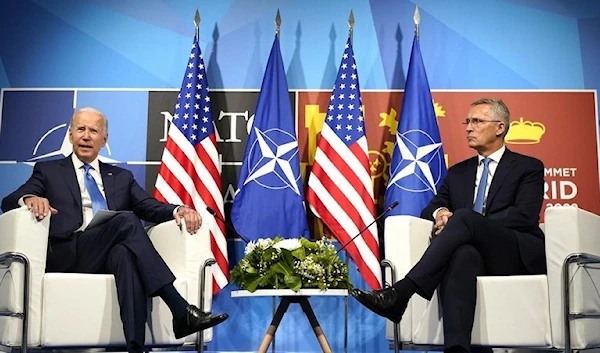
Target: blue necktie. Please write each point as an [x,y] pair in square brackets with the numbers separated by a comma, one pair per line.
[480,198]
[98,201]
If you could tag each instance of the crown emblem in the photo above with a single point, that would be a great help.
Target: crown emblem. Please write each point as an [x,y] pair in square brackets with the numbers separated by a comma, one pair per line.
[525,132]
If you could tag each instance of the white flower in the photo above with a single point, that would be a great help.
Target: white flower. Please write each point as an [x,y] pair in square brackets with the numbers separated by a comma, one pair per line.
[265,243]
[288,244]
[260,243]
[250,247]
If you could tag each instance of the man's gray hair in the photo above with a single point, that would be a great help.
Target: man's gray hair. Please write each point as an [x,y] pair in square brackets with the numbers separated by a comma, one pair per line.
[499,110]
[91,110]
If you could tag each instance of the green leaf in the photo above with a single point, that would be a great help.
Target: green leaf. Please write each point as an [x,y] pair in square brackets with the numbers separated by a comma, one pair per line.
[299,253]
[282,268]
[268,279]
[287,257]
[269,254]
[293,282]
[253,285]
[309,244]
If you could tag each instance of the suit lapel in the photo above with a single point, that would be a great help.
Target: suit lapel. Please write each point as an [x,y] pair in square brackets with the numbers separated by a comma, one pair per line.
[469,188]
[108,182]
[502,171]
[70,179]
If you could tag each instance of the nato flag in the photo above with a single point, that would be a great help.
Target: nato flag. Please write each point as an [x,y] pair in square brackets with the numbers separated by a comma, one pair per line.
[269,200]
[418,165]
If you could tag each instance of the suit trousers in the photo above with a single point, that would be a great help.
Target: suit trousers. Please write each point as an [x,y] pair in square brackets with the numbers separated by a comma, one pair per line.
[122,247]
[470,245]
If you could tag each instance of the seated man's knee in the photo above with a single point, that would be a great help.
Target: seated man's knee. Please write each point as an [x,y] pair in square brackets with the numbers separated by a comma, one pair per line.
[465,251]
[126,218]
[464,216]
[127,223]
[463,213]
[466,255]
[119,253]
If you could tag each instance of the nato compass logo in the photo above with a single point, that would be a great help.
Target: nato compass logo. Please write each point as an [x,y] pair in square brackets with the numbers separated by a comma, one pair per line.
[417,162]
[65,149]
[271,160]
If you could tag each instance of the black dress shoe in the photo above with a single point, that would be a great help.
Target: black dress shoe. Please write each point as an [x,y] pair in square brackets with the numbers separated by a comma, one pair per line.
[384,302]
[195,320]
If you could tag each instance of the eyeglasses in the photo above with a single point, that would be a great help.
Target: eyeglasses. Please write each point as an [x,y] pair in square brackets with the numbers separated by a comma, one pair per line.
[477,121]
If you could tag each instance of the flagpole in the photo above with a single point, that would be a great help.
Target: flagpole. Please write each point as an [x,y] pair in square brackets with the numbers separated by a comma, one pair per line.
[417,19]
[347,259]
[277,24]
[197,25]
[351,26]
[274,299]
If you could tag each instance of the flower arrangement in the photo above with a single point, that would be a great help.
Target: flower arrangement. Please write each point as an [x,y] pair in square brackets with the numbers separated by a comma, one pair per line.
[291,264]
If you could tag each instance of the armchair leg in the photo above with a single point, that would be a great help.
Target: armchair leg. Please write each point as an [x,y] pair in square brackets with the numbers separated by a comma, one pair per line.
[6,259]
[582,260]
[207,263]
[397,343]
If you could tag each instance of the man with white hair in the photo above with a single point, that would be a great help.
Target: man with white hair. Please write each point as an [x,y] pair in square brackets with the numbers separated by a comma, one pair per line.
[73,189]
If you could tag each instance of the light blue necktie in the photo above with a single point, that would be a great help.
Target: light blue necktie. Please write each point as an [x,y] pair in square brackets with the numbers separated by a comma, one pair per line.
[98,201]
[480,198]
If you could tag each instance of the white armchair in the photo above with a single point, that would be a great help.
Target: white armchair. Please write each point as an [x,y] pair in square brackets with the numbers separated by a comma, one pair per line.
[512,311]
[81,310]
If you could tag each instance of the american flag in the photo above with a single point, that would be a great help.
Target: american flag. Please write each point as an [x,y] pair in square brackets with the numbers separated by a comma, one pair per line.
[340,191]
[190,172]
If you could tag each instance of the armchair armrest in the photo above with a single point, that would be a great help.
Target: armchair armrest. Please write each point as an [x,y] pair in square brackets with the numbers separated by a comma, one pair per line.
[188,256]
[20,232]
[571,230]
[170,242]
[185,255]
[406,238]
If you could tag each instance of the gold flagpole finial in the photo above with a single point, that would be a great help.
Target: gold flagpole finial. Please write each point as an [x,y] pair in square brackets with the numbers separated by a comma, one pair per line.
[197,24]
[417,19]
[351,25]
[277,23]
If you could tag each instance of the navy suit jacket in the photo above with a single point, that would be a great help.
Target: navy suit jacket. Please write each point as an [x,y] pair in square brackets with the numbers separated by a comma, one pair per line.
[514,200]
[56,180]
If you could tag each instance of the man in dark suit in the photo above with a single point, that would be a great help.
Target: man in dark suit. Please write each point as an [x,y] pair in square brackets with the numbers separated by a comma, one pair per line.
[72,190]
[486,216]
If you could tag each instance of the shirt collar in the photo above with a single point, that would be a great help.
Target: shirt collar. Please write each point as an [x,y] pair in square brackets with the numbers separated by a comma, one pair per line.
[77,163]
[496,156]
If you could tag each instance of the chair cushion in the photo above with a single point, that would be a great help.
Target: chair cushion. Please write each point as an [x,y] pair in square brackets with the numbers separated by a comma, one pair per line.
[82,310]
[511,311]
